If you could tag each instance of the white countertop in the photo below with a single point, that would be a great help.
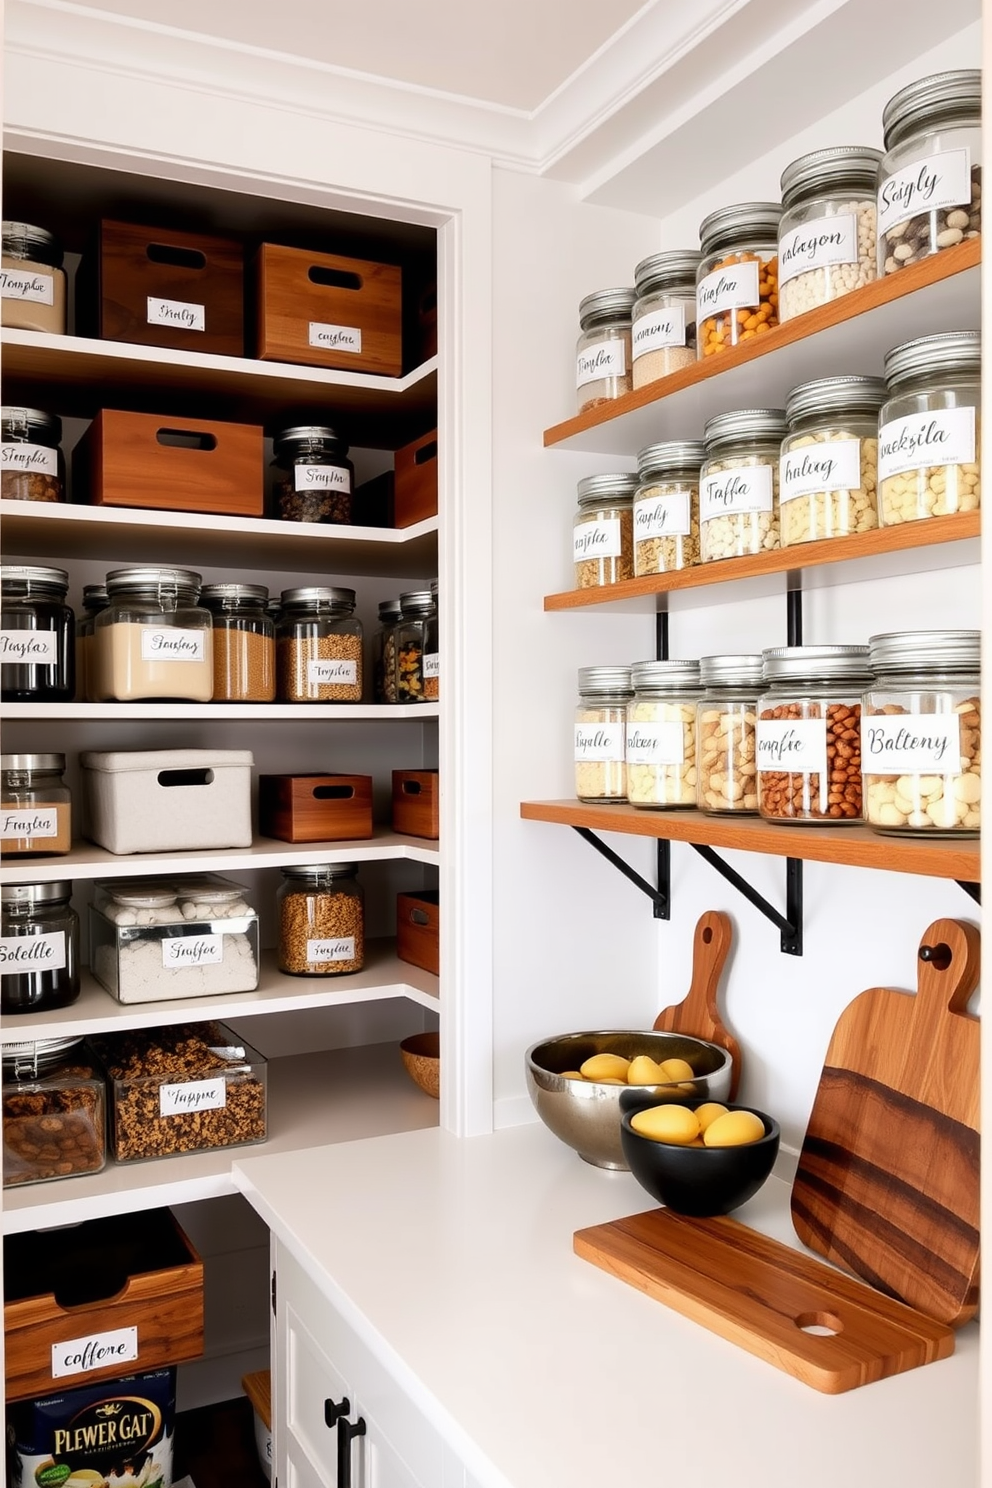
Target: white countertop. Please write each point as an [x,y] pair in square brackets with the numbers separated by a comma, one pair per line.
[453,1260]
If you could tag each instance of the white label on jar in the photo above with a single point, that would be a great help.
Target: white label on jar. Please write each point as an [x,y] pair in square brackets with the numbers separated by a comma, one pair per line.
[597,539]
[818,244]
[169,643]
[27,953]
[732,288]
[94,1351]
[337,948]
[178,313]
[657,329]
[323,673]
[910,744]
[599,743]
[335,337]
[664,515]
[794,746]
[33,458]
[192,950]
[834,465]
[25,284]
[660,743]
[431,664]
[602,359]
[29,647]
[43,822]
[192,1095]
[321,478]
[944,437]
[730,492]
[929,185]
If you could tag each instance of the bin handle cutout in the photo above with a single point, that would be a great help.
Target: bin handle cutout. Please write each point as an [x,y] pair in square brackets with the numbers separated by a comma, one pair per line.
[176,258]
[189,439]
[425,452]
[332,792]
[185,777]
[74,1293]
[419,917]
[334,278]
[412,787]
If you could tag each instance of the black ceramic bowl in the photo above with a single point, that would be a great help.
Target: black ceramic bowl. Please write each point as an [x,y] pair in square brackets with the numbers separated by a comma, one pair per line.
[696,1180]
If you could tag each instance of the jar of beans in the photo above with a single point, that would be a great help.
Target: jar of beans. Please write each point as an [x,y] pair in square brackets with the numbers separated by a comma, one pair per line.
[600,730]
[244,643]
[415,607]
[930,179]
[666,507]
[928,428]
[313,476]
[603,530]
[602,355]
[826,238]
[95,599]
[39,947]
[32,467]
[384,652]
[663,321]
[661,734]
[432,658]
[738,483]
[737,279]
[829,469]
[321,920]
[319,647]
[37,635]
[921,733]
[807,741]
[726,774]
[54,1099]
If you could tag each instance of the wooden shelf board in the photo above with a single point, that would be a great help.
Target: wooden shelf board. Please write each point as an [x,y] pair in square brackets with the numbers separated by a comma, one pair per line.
[221,712]
[853,847]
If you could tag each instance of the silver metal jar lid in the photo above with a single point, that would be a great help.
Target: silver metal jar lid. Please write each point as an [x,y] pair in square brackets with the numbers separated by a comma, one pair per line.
[843,167]
[949,354]
[32,762]
[605,305]
[744,220]
[25,240]
[938,98]
[26,424]
[607,489]
[602,680]
[312,872]
[318,594]
[220,592]
[743,670]
[389,609]
[26,1059]
[683,454]
[936,650]
[742,424]
[47,580]
[835,395]
[664,676]
[309,434]
[670,270]
[125,580]
[95,597]
[816,663]
[36,893]
[416,602]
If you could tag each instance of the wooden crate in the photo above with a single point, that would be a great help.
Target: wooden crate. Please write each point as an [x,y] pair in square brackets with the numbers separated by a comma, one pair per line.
[418,929]
[315,808]
[322,310]
[416,803]
[415,484]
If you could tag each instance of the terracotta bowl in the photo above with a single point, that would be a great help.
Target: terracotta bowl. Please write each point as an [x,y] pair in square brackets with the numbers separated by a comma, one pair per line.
[422,1061]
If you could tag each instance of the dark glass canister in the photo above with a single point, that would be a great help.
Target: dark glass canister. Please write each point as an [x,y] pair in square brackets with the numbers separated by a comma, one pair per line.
[314,479]
[39,947]
[37,636]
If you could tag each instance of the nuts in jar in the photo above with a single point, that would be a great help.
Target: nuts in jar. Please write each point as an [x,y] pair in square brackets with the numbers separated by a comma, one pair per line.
[33,468]
[313,475]
[829,468]
[321,920]
[602,356]
[928,428]
[603,530]
[827,237]
[737,279]
[661,734]
[726,714]
[600,728]
[53,1112]
[666,507]
[738,483]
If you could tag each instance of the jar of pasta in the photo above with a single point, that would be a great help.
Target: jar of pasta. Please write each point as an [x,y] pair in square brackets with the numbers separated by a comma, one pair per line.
[827,238]
[661,734]
[33,467]
[602,355]
[737,279]
[921,733]
[928,434]
[663,321]
[666,507]
[738,483]
[600,729]
[603,530]
[726,773]
[829,468]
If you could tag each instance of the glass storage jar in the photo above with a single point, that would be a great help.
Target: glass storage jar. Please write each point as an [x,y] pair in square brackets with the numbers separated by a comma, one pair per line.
[807,742]
[153,639]
[415,607]
[37,635]
[35,806]
[930,178]
[94,600]
[600,733]
[384,652]
[32,279]
[39,947]
[826,238]
[33,467]
[726,773]
[828,477]
[54,1111]
[603,530]
[602,354]
[319,647]
[737,279]
[314,478]
[666,507]
[244,642]
[921,733]
[738,483]
[663,320]
[929,439]
[321,920]
[432,667]
[660,746]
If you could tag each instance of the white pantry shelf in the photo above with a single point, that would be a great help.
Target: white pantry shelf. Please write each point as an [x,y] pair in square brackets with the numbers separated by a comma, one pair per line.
[221,712]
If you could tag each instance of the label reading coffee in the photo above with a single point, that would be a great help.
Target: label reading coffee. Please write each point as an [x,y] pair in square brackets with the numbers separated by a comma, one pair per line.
[736,492]
[821,244]
[321,478]
[793,746]
[599,743]
[192,950]
[335,337]
[666,515]
[95,1351]
[32,953]
[602,359]
[178,313]
[922,440]
[330,673]
[732,288]
[169,643]
[23,284]
[661,743]
[834,465]
[597,539]
[336,948]
[658,329]
[27,823]
[929,185]
[35,459]
[29,647]
[193,1095]
[910,744]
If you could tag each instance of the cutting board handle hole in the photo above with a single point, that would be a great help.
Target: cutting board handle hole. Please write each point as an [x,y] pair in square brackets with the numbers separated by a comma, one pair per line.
[939,956]
[823,1324]
[707,935]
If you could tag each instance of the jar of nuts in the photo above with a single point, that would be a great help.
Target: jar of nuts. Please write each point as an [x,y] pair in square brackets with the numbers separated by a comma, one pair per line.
[930,179]
[663,321]
[319,647]
[921,733]
[826,239]
[54,1112]
[666,507]
[244,642]
[600,732]
[321,920]
[313,476]
[807,741]
[32,467]
[603,530]
[602,355]
[726,774]
[829,468]
[737,279]
[928,428]
[661,734]
[738,483]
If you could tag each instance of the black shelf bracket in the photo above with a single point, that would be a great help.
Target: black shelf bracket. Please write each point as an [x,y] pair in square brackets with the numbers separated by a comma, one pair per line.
[973,890]
[790,925]
[661,897]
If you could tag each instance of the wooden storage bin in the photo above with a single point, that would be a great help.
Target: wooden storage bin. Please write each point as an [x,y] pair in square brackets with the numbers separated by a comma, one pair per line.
[71,1294]
[203,465]
[315,808]
[322,310]
[415,485]
[415,803]
[417,929]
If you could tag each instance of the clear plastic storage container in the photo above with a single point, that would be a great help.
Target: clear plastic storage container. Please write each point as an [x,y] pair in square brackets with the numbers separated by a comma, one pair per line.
[661,734]
[929,428]
[737,278]
[738,483]
[33,466]
[36,806]
[828,477]
[153,639]
[319,647]
[602,355]
[39,947]
[321,920]
[826,239]
[37,636]
[663,320]
[54,1111]
[603,530]
[726,714]
[600,733]
[666,507]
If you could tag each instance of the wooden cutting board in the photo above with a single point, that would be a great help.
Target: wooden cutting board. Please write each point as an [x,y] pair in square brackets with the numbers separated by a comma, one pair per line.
[887,1184]
[699,1014]
[762,1295]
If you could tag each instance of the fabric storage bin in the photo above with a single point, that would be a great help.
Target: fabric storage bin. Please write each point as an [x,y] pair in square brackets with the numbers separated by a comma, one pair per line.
[315,808]
[415,481]
[416,803]
[167,800]
[418,929]
[322,310]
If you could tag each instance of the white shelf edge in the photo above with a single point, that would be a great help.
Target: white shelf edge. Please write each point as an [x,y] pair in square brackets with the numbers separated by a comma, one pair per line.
[219,712]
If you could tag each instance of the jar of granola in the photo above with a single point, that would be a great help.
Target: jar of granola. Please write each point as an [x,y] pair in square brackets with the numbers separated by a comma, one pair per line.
[737,279]
[738,483]
[928,428]
[726,779]
[829,468]
[603,530]
[663,321]
[602,355]
[666,507]
[600,729]
[826,239]
[661,734]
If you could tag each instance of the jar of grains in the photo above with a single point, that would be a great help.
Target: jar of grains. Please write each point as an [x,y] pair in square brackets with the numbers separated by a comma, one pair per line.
[39,947]
[826,239]
[95,599]
[37,632]
[35,806]
[829,469]
[737,279]
[244,643]
[321,920]
[319,647]
[661,734]
[153,639]
[930,178]
[663,321]
[32,279]
[921,733]
[928,428]
[603,530]
[384,652]
[415,608]
[314,478]
[602,355]
[807,741]
[666,507]
[600,729]
[432,669]
[738,483]
[726,774]
[33,468]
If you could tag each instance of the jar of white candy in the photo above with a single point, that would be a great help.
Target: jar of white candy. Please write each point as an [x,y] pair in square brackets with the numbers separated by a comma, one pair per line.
[738,483]
[928,428]
[826,239]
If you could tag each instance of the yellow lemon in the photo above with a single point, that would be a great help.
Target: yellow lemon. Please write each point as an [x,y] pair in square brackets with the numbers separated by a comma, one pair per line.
[605,1067]
[708,1113]
[735,1129]
[644,1071]
[677,1069]
[674,1124]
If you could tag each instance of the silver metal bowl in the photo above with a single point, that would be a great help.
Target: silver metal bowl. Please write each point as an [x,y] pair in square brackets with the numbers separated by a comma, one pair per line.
[586,1115]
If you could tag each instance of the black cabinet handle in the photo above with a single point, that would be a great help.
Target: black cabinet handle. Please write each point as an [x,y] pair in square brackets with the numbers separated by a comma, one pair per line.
[346,1434]
[335,1410]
